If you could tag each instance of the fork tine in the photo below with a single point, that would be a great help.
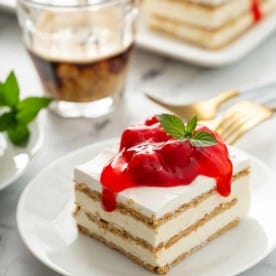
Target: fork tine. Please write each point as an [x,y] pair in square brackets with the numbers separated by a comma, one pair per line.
[241,131]
[236,124]
[231,117]
[226,121]
[222,123]
[249,115]
[246,127]
[238,130]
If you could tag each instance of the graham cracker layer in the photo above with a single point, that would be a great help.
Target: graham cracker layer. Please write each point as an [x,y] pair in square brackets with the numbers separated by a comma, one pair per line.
[207,217]
[155,269]
[220,232]
[205,29]
[111,245]
[152,222]
[205,4]
[118,231]
[107,226]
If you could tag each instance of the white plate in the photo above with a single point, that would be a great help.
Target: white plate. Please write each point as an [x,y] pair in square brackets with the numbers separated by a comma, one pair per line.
[8,5]
[14,160]
[184,51]
[44,218]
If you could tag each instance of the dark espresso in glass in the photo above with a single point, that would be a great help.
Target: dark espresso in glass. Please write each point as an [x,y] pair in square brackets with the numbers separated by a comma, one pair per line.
[83,81]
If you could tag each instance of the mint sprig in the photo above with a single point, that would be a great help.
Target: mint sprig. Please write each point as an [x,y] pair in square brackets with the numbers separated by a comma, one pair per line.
[9,91]
[16,114]
[176,128]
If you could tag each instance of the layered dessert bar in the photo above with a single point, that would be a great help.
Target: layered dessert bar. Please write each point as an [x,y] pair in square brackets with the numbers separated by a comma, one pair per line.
[211,24]
[157,198]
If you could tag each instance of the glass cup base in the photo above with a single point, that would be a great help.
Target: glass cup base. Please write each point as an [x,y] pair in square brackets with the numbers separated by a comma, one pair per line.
[93,110]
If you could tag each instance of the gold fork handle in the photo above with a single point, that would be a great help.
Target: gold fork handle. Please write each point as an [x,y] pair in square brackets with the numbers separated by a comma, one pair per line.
[226,96]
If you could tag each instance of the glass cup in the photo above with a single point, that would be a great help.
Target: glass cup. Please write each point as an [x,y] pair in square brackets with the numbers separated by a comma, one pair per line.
[81,51]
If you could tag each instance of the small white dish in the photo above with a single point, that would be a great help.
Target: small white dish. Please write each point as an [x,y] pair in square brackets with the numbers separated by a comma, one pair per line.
[181,50]
[8,5]
[14,160]
[45,223]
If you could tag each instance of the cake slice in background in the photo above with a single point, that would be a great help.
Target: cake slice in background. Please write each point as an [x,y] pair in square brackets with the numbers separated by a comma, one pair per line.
[211,24]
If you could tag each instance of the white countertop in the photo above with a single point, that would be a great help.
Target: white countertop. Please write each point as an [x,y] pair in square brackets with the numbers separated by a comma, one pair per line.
[169,79]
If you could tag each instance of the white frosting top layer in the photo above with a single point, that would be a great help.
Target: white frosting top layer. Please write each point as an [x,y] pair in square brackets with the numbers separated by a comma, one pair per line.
[153,201]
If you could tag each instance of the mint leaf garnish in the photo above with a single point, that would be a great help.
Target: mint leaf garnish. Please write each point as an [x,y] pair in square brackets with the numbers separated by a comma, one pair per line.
[18,113]
[172,125]
[28,109]
[19,135]
[191,125]
[6,121]
[203,139]
[1,94]
[176,128]
[10,91]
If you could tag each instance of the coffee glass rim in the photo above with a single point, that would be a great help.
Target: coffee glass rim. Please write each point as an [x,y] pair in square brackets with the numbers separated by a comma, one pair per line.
[81,4]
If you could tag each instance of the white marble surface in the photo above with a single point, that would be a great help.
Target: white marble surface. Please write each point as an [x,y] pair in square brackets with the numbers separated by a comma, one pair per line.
[171,80]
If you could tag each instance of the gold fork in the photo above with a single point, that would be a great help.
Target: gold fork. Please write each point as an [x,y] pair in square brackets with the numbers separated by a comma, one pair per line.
[205,110]
[239,119]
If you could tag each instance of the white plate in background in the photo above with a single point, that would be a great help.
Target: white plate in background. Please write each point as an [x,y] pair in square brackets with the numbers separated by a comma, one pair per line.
[14,160]
[46,225]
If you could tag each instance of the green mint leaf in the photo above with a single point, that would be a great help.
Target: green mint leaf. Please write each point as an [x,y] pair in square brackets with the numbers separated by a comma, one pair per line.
[177,129]
[172,125]
[15,114]
[203,139]
[10,91]
[191,125]
[19,135]
[1,94]
[28,109]
[7,120]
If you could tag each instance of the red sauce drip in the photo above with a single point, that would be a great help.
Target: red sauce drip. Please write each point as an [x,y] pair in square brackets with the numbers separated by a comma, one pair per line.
[148,156]
[256,10]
